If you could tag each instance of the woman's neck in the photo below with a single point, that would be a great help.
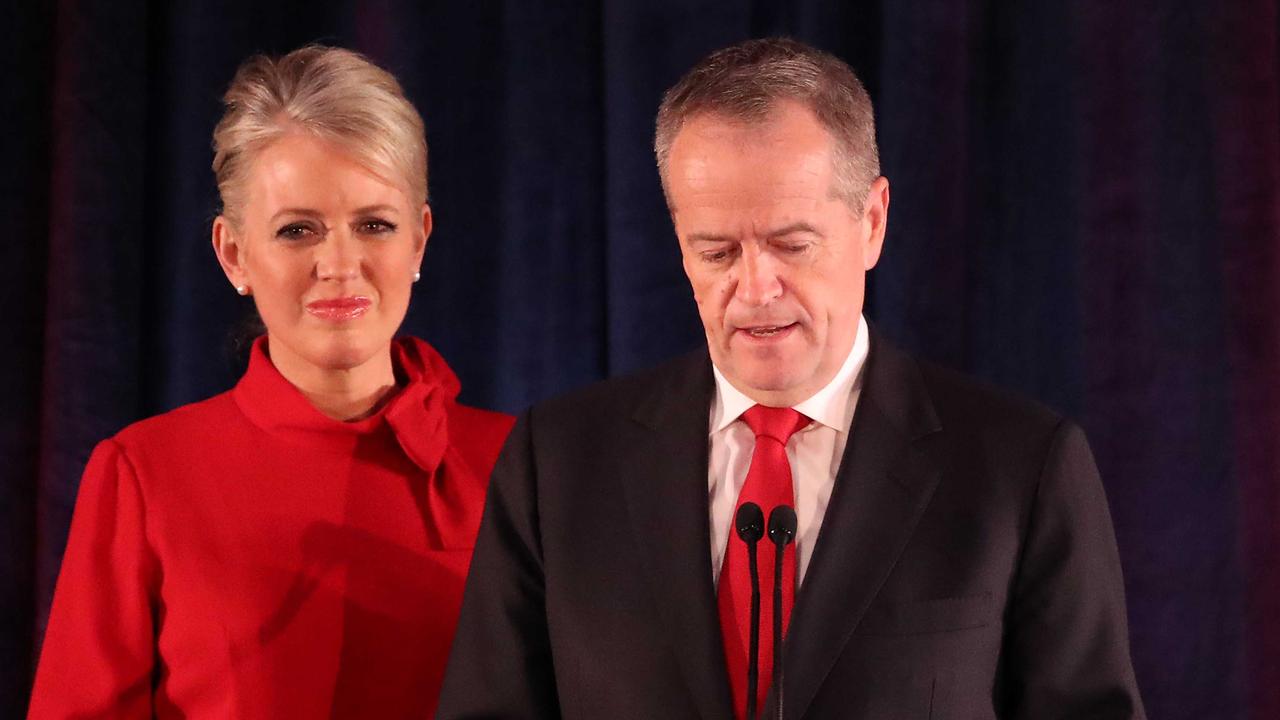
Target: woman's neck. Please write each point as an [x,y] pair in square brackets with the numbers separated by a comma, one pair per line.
[345,394]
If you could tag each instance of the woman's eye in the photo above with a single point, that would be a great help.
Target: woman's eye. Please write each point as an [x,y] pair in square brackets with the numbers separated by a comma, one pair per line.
[294,231]
[376,227]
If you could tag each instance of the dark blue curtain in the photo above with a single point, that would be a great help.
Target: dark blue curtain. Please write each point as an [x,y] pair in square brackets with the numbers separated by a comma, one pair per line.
[1086,208]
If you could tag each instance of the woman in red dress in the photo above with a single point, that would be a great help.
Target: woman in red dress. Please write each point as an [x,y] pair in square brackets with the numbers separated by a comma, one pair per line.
[295,547]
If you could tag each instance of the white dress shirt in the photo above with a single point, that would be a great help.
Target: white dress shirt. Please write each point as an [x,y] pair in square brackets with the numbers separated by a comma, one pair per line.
[814,453]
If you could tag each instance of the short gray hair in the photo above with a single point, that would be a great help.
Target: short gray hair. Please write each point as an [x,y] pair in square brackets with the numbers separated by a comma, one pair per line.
[334,94]
[745,81]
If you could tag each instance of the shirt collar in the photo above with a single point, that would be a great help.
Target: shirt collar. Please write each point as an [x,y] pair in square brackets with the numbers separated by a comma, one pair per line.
[832,406]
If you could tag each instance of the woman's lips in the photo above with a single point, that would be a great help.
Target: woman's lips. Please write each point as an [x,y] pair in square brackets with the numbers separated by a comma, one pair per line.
[339,309]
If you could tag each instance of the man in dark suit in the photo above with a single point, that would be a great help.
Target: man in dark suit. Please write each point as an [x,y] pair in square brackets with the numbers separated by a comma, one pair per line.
[953,555]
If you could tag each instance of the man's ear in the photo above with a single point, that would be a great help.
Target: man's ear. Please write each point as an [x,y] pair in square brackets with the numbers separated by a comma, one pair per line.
[229,247]
[875,218]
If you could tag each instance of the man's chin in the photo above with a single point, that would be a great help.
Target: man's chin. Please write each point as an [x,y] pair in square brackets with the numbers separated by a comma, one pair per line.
[770,386]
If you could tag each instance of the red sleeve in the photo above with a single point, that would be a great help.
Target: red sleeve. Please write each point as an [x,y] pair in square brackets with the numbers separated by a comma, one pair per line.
[99,649]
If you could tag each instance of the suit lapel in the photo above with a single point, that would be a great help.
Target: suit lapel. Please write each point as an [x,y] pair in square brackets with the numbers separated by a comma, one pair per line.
[666,494]
[883,485]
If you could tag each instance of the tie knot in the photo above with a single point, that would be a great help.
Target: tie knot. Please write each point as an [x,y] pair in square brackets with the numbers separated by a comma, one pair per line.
[777,423]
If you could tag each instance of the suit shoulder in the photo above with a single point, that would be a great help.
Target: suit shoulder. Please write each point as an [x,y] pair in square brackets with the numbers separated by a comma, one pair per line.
[617,398]
[1004,439]
[966,402]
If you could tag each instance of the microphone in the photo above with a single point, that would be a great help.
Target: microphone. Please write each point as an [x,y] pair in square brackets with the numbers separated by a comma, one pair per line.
[782,530]
[749,523]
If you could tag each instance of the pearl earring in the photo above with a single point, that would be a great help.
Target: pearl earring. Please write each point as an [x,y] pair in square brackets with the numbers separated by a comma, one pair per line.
[417,276]
[242,289]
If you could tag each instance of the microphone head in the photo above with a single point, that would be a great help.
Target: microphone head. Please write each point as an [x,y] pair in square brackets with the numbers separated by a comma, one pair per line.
[782,525]
[749,522]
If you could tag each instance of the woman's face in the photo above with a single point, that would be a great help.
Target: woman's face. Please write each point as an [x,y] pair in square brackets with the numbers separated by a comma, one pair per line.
[328,250]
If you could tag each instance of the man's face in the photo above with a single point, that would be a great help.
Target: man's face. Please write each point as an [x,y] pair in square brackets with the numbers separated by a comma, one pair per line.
[777,261]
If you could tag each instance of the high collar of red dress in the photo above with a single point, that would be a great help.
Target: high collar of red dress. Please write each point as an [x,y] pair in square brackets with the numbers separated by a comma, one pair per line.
[416,415]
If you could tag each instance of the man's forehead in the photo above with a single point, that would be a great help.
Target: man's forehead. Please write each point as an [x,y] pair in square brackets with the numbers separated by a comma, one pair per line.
[720,159]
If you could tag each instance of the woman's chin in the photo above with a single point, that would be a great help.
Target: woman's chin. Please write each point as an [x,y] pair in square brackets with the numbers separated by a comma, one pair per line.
[347,356]
[308,350]
[338,353]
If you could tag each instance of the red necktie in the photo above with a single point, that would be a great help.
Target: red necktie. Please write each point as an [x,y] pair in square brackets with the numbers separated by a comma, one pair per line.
[768,485]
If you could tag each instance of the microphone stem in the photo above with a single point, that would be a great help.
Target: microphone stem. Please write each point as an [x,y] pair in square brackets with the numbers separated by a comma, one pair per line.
[753,667]
[777,629]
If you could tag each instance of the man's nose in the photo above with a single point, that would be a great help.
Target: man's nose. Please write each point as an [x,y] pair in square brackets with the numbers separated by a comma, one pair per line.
[338,256]
[758,282]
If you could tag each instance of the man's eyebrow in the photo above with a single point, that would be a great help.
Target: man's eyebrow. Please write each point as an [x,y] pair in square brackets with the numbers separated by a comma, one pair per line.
[707,238]
[795,227]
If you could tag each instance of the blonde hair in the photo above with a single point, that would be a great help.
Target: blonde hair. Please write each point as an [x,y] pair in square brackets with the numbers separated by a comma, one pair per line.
[334,94]
[744,82]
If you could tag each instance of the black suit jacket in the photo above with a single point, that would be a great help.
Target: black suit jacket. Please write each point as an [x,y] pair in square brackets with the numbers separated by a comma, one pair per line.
[966,566]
